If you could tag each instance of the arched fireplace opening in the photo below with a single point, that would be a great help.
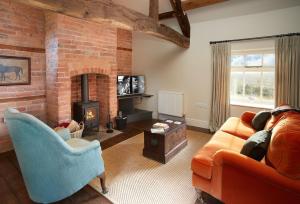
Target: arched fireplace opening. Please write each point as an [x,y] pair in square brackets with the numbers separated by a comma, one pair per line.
[90,100]
[86,111]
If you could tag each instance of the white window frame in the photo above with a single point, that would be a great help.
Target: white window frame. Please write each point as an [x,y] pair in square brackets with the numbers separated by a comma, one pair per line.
[245,69]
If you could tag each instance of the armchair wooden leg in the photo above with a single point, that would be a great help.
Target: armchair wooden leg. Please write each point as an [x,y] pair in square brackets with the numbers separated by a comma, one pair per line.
[102,182]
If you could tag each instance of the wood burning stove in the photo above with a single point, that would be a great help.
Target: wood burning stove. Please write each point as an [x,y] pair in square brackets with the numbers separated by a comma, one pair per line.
[86,110]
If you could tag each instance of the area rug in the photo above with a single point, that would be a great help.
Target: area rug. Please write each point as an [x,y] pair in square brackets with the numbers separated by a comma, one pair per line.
[134,179]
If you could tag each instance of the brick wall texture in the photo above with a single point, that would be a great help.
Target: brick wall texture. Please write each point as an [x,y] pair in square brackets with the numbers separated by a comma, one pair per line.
[72,47]
[23,26]
[124,52]
[81,47]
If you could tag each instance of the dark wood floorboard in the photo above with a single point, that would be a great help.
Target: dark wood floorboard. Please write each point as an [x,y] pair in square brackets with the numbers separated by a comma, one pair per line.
[13,190]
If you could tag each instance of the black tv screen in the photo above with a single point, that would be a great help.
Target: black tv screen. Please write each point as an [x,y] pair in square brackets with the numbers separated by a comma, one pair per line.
[124,85]
[138,84]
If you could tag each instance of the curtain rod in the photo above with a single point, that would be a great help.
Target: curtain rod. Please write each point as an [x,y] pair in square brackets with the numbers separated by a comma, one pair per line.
[254,38]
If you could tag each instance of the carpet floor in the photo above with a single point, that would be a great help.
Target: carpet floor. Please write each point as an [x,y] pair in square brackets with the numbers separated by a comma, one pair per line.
[134,179]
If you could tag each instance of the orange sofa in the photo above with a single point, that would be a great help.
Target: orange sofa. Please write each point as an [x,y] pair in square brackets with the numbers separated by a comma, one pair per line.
[221,171]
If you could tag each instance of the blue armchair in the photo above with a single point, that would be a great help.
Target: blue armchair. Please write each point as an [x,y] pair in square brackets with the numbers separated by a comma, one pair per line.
[52,168]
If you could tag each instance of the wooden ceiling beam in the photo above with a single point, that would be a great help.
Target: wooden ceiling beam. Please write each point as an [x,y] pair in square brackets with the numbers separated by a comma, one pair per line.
[189,5]
[166,15]
[106,10]
[154,9]
[182,18]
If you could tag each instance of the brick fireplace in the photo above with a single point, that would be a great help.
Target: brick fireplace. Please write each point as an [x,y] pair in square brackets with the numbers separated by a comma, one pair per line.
[75,47]
[61,49]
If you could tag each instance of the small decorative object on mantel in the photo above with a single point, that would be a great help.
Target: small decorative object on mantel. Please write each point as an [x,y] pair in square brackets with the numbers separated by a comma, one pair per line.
[75,128]
[14,70]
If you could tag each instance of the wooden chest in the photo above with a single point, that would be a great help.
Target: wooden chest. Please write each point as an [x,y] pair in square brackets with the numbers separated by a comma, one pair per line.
[162,147]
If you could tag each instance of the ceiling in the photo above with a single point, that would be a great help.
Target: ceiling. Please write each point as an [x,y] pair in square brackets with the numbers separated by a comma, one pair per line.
[226,9]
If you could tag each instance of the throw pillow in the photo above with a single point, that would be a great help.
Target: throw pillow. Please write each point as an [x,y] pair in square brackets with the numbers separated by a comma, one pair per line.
[281,109]
[260,119]
[256,146]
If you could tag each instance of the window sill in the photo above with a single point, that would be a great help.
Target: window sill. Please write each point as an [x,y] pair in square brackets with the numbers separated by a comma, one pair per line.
[260,106]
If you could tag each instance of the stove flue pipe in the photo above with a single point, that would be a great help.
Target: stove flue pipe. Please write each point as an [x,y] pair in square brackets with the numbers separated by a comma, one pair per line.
[84,88]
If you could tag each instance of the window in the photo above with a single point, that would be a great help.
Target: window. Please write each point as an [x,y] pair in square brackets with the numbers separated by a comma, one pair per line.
[252,80]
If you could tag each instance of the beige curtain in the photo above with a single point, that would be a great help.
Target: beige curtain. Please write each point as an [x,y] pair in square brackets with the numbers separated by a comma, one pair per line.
[287,71]
[220,104]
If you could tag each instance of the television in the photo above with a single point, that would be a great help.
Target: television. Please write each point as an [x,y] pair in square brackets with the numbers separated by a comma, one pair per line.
[137,84]
[129,85]
[124,85]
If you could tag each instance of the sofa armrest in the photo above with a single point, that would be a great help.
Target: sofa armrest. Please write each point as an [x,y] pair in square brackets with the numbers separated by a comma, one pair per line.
[247,117]
[240,178]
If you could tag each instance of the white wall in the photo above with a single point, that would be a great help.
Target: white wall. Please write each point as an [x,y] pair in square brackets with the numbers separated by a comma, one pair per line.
[168,67]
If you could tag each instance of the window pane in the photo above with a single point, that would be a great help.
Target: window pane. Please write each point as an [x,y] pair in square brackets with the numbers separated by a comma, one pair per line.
[269,60]
[252,86]
[236,84]
[268,86]
[250,83]
[237,60]
[254,60]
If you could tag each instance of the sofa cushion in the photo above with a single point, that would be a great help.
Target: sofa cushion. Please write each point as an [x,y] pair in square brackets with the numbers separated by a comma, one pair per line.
[273,121]
[248,116]
[256,146]
[281,109]
[283,152]
[202,162]
[237,127]
[260,119]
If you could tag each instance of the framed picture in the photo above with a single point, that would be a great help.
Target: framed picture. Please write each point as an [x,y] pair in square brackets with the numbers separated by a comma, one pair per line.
[14,70]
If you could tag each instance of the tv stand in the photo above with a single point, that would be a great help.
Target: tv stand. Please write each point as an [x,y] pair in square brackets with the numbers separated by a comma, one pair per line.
[126,105]
[139,115]
[134,96]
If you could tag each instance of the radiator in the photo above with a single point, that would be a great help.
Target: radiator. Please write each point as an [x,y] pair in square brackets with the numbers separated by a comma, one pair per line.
[170,103]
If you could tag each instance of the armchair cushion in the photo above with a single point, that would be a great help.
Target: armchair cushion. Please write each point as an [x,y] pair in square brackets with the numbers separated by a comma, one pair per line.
[64,133]
[83,145]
